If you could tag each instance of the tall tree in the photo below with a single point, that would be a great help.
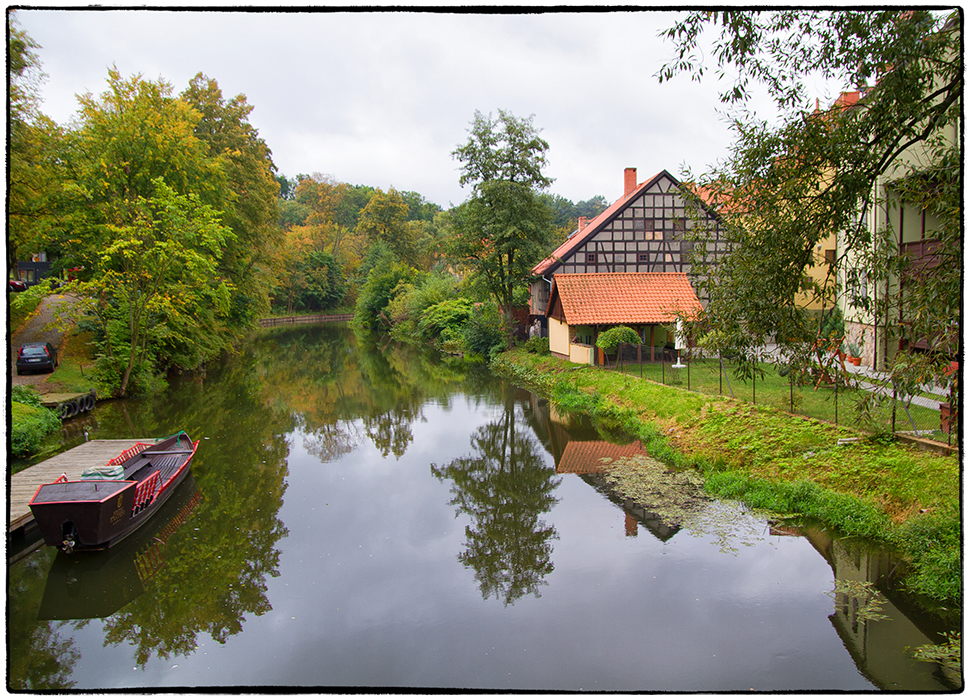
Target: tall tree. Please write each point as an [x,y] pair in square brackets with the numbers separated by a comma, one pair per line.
[504,229]
[250,202]
[384,219]
[33,141]
[155,284]
[138,221]
[124,140]
[812,173]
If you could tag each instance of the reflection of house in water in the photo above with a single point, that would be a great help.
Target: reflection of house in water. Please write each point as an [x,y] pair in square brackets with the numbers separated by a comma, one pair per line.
[578,448]
[881,648]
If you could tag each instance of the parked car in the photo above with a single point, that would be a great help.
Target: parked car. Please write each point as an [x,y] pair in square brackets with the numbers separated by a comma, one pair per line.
[36,357]
[16,286]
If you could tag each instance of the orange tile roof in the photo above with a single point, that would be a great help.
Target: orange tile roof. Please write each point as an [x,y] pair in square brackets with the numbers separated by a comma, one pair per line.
[623,297]
[578,237]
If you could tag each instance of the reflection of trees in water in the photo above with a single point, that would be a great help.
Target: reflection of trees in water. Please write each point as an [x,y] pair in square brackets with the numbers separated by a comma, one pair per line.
[215,571]
[329,441]
[351,387]
[38,656]
[504,487]
[390,431]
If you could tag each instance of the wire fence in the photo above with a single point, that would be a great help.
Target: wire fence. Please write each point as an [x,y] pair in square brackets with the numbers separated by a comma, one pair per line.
[850,397]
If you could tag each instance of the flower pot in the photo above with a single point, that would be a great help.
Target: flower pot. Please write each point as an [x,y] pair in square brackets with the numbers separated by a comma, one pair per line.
[857,361]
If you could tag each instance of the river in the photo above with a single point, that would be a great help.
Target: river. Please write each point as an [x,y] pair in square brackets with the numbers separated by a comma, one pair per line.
[366,515]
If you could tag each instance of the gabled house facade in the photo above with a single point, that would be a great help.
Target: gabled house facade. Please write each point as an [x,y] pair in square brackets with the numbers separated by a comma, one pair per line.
[642,231]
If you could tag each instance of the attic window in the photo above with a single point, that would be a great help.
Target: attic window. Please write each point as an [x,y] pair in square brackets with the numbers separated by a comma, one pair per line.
[591,257]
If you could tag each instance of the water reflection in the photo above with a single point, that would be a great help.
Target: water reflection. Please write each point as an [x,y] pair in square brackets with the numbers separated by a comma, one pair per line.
[592,450]
[88,585]
[873,620]
[880,634]
[505,487]
[369,590]
[42,654]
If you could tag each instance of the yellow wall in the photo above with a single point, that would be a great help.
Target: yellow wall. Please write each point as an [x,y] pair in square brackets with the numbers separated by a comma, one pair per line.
[558,337]
[581,354]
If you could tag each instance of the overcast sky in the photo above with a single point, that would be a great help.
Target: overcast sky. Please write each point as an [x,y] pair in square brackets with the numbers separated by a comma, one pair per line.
[383,98]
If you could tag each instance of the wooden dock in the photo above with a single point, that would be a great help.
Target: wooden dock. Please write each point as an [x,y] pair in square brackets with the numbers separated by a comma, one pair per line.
[24,484]
[69,405]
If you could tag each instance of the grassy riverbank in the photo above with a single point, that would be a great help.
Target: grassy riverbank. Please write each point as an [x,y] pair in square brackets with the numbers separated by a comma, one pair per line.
[872,488]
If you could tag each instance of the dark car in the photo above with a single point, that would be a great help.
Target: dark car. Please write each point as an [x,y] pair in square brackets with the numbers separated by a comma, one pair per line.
[16,286]
[35,357]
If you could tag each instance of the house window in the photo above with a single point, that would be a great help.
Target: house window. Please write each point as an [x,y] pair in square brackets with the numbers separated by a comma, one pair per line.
[591,258]
[680,223]
[643,257]
[830,256]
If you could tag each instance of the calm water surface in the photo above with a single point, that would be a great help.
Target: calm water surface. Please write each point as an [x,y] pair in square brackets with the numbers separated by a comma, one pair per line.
[364,515]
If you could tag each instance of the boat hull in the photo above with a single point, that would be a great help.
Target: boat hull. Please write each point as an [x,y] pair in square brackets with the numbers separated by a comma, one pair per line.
[96,514]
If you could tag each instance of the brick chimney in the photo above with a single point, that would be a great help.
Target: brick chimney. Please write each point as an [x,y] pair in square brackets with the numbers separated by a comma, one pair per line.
[629,180]
[582,223]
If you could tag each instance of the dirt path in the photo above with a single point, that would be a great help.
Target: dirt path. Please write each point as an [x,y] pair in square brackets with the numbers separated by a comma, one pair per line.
[39,328]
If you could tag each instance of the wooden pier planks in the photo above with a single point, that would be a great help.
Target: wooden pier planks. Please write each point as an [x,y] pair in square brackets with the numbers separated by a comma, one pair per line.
[24,484]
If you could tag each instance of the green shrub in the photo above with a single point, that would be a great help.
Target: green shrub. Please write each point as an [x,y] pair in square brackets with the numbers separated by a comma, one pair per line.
[384,282]
[608,340]
[450,315]
[412,299]
[142,381]
[485,331]
[537,345]
[26,395]
[30,425]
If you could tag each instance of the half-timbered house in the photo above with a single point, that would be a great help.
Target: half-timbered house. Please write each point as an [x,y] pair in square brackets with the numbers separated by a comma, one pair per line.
[642,231]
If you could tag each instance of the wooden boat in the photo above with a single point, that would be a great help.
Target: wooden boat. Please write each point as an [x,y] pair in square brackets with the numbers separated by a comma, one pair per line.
[100,510]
